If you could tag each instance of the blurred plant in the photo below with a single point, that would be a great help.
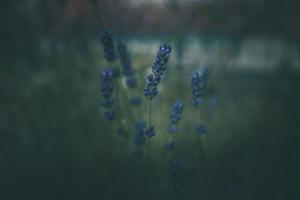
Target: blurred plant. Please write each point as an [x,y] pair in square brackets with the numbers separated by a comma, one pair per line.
[126,63]
[199,78]
[199,82]
[108,45]
[175,116]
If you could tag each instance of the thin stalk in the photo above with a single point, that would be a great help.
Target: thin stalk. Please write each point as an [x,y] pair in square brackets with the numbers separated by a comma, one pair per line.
[148,152]
[204,161]
[117,101]
[149,112]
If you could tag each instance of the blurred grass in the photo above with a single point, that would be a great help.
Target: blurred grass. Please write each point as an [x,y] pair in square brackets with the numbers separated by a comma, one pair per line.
[54,143]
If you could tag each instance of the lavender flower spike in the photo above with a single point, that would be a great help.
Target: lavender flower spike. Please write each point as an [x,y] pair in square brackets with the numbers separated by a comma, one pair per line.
[158,69]
[175,116]
[106,92]
[199,79]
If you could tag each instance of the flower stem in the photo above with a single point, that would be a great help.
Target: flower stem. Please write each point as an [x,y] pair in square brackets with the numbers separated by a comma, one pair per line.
[149,112]
[148,182]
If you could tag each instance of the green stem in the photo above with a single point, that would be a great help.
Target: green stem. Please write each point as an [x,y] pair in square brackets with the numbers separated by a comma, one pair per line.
[204,161]
[148,152]
[149,112]
[117,101]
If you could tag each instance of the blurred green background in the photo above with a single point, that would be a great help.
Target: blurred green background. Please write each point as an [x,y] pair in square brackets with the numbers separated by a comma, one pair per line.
[55,143]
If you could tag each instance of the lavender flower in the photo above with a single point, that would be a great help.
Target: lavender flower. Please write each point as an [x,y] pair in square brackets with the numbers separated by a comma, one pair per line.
[106,92]
[199,78]
[162,57]
[107,87]
[128,71]
[151,88]
[110,115]
[175,116]
[108,45]
[158,69]
[150,132]
[125,59]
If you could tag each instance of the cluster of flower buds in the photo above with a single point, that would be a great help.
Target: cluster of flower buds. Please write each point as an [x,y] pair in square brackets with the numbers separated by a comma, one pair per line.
[106,92]
[199,79]
[158,69]
[175,116]
[150,132]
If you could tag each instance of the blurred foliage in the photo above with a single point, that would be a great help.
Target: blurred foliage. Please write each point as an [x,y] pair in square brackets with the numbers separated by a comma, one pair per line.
[53,141]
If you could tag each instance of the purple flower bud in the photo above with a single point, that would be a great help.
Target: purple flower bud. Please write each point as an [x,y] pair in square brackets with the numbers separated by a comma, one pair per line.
[175,116]
[108,45]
